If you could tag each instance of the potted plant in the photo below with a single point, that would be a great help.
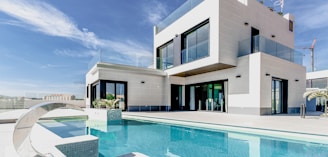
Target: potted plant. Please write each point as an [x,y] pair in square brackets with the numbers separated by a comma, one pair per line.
[111,113]
[105,103]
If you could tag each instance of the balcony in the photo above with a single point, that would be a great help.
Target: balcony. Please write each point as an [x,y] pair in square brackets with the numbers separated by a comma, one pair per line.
[136,60]
[262,44]
[183,9]
[164,64]
[195,52]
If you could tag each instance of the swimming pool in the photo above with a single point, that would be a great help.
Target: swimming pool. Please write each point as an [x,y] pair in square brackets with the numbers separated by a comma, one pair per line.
[163,140]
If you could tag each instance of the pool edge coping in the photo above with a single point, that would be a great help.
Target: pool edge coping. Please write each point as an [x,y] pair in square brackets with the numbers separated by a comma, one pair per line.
[284,134]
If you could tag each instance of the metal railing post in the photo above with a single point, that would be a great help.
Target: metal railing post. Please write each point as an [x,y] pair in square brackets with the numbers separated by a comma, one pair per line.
[302,110]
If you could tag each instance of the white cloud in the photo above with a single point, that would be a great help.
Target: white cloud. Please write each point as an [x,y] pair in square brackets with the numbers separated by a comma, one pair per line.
[44,18]
[39,16]
[47,66]
[155,12]
[75,53]
[313,17]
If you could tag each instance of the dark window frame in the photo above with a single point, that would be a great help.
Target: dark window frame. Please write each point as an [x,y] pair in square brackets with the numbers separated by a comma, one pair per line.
[190,31]
[158,55]
[291,26]
[102,88]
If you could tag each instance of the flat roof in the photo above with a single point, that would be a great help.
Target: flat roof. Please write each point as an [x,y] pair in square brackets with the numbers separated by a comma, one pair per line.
[317,74]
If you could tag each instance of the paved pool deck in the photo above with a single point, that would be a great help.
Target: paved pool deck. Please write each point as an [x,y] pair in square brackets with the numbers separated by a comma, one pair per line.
[312,124]
[7,125]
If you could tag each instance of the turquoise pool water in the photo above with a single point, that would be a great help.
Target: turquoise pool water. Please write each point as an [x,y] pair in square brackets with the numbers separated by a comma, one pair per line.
[163,140]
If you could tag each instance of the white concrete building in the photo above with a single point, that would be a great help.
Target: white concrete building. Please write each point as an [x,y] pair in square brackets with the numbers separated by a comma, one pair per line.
[316,79]
[59,97]
[233,56]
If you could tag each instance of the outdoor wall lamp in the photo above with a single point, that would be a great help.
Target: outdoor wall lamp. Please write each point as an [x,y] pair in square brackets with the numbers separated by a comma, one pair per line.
[246,23]
[273,36]
[296,80]
[267,74]
[142,82]
[238,76]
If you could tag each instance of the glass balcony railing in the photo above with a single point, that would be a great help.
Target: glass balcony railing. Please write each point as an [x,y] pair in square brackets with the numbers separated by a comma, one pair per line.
[262,44]
[162,64]
[183,9]
[195,52]
[137,60]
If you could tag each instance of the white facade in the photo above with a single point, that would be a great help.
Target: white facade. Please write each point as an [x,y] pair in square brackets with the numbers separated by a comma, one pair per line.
[59,97]
[238,71]
[316,79]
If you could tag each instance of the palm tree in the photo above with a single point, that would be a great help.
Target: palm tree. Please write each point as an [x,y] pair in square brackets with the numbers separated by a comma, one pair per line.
[318,93]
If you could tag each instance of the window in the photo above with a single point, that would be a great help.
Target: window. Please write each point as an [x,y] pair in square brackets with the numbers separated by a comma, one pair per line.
[195,43]
[95,93]
[88,91]
[165,56]
[319,83]
[291,25]
[106,89]
[110,91]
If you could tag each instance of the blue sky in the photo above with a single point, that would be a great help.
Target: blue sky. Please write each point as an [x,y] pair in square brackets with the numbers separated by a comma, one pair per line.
[46,45]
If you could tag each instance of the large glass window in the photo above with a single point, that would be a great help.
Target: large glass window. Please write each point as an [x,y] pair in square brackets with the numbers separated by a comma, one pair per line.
[209,96]
[195,43]
[120,94]
[110,91]
[317,83]
[95,91]
[165,56]
[105,89]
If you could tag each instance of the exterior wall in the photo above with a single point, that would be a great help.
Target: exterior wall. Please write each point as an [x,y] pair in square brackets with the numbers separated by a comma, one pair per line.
[153,92]
[317,75]
[232,29]
[91,77]
[279,68]
[186,22]
[227,28]
[251,92]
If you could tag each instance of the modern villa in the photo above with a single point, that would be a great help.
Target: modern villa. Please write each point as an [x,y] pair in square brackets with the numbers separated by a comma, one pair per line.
[233,56]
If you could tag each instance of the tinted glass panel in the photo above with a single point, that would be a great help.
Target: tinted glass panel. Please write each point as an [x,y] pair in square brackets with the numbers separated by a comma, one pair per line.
[195,44]
[165,56]
[110,91]
[319,83]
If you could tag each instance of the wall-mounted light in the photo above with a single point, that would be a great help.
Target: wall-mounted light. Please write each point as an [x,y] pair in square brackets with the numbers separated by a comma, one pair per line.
[246,23]
[142,82]
[273,36]
[296,80]
[267,74]
[238,76]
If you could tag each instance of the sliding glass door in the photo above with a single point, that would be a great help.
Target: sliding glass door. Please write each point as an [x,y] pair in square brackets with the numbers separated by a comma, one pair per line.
[207,96]
[278,96]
